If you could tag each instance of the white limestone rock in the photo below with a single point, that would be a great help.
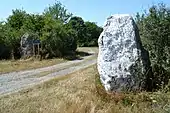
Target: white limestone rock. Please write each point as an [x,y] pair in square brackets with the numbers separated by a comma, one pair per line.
[122,61]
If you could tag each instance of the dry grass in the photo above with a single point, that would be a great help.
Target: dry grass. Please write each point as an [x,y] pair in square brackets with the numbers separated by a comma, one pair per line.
[87,49]
[17,65]
[44,73]
[81,92]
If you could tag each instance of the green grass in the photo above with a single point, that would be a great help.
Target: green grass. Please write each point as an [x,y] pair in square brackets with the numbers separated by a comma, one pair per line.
[82,92]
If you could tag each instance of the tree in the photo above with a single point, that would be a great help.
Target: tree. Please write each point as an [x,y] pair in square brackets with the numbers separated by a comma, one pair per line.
[56,40]
[77,23]
[13,32]
[12,40]
[58,12]
[4,50]
[33,23]
[2,33]
[87,32]
[16,20]
[155,33]
[59,33]
[93,32]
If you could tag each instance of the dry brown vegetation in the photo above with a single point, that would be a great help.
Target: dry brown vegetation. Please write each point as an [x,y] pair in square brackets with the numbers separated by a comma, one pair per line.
[81,92]
[18,65]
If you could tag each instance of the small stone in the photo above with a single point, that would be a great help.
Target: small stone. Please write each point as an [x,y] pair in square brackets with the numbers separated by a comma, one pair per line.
[154,101]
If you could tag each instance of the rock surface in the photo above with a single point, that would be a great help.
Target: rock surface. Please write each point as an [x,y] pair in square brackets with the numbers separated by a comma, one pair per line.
[122,61]
[26,45]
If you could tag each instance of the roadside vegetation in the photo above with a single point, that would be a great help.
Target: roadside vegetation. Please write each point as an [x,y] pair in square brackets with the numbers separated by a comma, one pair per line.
[82,92]
[154,29]
[32,63]
[59,32]
[18,65]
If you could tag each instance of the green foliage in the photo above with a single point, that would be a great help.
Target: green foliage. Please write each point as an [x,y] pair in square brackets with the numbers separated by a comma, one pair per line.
[12,40]
[77,23]
[160,77]
[58,32]
[16,20]
[58,12]
[56,40]
[33,23]
[93,32]
[87,32]
[155,33]
[1,33]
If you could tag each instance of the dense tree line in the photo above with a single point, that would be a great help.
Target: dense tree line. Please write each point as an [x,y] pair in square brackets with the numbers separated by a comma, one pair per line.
[59,31]
[154,28]
[87,32]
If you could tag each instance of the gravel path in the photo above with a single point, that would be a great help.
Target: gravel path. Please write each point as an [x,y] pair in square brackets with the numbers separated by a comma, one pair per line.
[15,81]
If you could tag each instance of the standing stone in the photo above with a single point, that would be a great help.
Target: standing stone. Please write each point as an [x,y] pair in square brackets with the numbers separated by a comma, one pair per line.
[26,45]
[122,61]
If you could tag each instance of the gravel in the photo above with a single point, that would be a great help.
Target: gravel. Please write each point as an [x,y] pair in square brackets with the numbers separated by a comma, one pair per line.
[16,81]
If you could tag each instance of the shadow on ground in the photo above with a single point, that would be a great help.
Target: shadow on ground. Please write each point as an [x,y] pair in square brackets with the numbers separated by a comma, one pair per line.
[78,55]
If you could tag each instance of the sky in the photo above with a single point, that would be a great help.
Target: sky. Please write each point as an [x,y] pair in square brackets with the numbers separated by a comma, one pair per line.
[89,10]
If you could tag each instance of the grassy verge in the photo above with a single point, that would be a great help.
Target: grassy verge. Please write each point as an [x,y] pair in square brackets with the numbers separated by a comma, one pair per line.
[81,92]
[18,65]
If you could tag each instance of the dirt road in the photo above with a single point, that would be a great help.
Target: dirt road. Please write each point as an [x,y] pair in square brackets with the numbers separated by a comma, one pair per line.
[15,81]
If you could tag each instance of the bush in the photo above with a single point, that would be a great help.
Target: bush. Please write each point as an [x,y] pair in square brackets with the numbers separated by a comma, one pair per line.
[56,40]
[4,52]
[160,76]
[155,32]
